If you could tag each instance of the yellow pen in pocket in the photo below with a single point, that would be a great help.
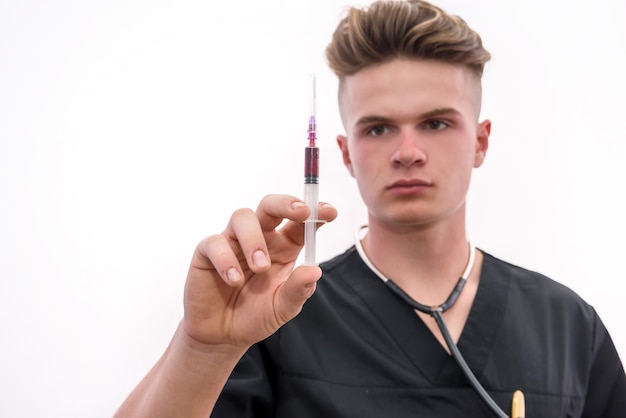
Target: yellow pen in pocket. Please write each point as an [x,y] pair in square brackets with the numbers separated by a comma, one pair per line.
[518,407]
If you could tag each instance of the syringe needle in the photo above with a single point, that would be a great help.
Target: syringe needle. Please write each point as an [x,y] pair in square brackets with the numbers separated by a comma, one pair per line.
[312,111]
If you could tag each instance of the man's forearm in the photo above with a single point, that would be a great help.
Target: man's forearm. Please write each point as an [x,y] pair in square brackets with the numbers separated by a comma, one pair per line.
[185,382]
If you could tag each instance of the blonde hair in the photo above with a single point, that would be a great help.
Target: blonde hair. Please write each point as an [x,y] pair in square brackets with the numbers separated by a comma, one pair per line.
[411,29]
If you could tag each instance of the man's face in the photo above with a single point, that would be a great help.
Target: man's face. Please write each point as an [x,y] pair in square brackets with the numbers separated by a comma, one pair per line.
[413,138]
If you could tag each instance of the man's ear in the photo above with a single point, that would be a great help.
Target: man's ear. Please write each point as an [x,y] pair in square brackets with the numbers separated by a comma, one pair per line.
[342,141]
[483,130]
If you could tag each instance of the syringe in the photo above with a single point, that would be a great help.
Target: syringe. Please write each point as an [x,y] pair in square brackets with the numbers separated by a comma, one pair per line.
[311,178]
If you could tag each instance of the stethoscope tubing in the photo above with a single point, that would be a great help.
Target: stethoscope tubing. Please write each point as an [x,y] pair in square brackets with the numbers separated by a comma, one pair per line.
[437,313]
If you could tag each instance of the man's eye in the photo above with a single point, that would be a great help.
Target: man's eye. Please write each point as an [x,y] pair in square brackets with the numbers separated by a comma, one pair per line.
[377,130]
[436,124]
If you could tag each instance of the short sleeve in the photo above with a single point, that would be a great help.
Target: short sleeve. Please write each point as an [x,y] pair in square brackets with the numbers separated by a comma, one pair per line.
[606,392]
[248,392]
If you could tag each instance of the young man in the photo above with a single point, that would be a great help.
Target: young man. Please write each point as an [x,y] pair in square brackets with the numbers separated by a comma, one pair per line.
[378,335]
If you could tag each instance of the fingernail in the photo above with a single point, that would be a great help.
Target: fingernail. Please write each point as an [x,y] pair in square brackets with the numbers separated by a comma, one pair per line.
[259,259]
[326,205]
[310,289]
[233,275]
[297,205]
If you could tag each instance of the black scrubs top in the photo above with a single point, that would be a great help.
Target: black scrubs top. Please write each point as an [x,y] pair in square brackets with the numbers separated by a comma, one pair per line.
[357,350]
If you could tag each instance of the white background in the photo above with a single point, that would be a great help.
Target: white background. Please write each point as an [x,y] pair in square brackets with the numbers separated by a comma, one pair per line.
[130,130]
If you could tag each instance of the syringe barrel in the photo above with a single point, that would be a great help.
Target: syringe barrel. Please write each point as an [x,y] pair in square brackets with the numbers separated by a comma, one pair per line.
[310,225]
[311,165]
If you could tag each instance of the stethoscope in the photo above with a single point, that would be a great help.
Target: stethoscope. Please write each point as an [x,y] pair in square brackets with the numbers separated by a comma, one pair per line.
[437,313]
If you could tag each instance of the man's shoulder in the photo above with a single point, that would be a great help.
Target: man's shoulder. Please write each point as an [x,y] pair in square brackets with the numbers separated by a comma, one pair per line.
[529,282]
[342,260]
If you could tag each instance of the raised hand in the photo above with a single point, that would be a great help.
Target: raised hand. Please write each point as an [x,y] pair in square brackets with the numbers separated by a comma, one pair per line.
[242,285]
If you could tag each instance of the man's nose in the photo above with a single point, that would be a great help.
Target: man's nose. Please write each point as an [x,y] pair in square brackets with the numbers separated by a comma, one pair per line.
[409,149]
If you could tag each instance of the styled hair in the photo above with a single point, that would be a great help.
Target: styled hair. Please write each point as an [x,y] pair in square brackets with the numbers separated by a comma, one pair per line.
[413,29]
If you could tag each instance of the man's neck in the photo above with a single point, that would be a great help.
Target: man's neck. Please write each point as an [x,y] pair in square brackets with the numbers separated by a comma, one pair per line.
[424,260]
